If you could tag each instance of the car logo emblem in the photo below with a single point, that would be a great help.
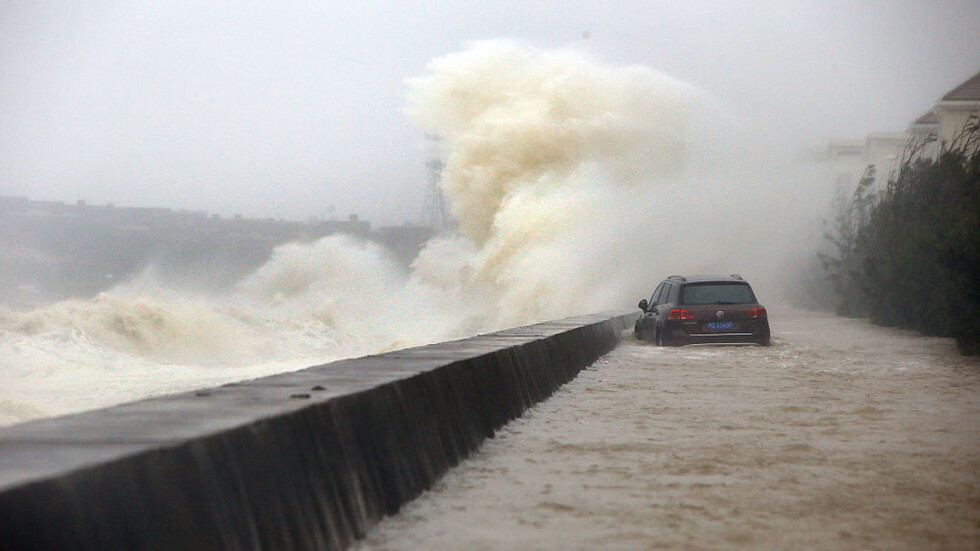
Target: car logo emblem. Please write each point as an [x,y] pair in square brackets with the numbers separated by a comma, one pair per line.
[719,314]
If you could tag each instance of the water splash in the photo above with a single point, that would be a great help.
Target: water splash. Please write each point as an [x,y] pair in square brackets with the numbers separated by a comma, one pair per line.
[570,180]
[550,159]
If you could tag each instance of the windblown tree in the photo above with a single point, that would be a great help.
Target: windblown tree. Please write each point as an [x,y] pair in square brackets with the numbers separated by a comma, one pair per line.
[842,265]
[910,256]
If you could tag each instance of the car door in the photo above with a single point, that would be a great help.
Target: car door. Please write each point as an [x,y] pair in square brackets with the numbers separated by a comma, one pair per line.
[646,322]
[660,302]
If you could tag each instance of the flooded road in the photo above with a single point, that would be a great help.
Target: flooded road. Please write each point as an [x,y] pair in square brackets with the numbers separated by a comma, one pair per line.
[839,436]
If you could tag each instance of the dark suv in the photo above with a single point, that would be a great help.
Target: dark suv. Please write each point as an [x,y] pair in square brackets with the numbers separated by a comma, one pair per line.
[703,310]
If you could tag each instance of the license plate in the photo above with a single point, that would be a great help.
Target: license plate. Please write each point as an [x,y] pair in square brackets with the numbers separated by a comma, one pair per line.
[717,325]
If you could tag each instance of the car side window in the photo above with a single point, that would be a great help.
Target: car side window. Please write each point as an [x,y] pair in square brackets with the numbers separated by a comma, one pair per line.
[674,291]
[662,295]
[656,294]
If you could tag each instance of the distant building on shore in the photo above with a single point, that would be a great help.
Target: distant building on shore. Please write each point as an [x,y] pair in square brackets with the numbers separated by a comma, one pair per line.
[60,249]
[156,216]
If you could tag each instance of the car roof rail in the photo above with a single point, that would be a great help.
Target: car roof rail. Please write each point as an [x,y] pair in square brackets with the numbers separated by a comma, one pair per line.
[736,276]
[681,278]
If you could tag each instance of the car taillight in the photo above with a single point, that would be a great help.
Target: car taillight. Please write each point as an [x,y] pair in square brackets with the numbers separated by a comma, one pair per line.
[756,313]
[680,315]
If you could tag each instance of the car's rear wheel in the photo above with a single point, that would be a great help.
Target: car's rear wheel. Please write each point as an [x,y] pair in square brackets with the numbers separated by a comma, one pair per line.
[660,337]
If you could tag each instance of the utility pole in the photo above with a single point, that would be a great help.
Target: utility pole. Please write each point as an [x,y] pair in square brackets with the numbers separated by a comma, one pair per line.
[435,211]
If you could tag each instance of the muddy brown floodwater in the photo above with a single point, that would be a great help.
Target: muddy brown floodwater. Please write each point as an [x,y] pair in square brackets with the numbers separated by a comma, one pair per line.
[839,436]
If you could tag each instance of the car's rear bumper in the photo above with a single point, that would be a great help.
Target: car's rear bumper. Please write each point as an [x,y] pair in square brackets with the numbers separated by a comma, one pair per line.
[686,334]
[722,338]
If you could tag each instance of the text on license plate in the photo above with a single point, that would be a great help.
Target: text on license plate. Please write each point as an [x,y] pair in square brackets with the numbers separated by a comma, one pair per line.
[716,325]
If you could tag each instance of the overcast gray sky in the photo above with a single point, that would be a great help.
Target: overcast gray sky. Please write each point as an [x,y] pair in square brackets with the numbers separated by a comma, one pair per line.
[283,108]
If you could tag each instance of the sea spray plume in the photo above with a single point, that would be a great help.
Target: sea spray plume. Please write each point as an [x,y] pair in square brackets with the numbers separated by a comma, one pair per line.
[512,117]
[352,289]
[546,151]
[340,282]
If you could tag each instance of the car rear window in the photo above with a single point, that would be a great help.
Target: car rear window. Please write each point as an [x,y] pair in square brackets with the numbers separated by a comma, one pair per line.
[716,293]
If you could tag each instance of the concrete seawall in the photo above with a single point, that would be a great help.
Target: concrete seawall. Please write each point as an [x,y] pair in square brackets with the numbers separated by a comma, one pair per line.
[299,461]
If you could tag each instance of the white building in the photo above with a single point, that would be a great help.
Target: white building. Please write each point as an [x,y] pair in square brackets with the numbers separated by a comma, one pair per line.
[848,159]
[885,149]
[947,119]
